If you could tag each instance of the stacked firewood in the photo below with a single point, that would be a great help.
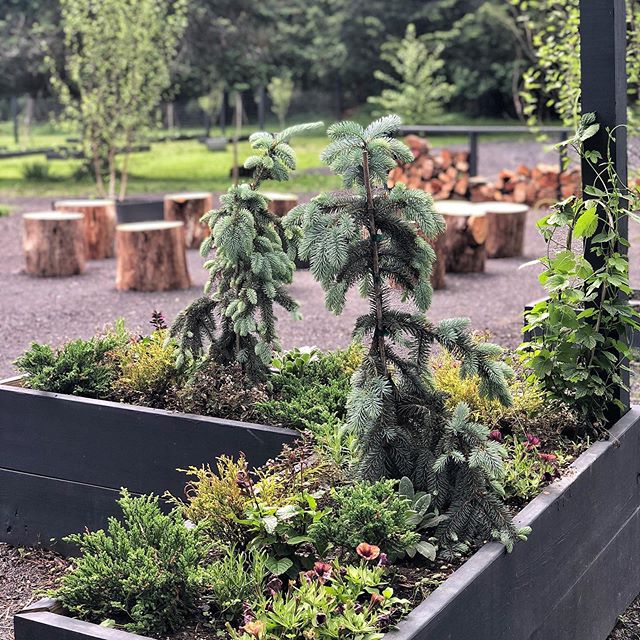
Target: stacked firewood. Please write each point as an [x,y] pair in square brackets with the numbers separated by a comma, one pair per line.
[445,174]
[527,186]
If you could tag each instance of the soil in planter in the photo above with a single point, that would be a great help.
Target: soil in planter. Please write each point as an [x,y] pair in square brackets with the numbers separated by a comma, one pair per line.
[24,575]
[628,627]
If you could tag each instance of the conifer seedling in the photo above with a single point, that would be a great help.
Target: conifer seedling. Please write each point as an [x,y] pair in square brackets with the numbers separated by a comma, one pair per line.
[249,270]
[369,236]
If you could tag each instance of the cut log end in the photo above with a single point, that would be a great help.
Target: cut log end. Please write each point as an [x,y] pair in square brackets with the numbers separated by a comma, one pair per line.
[151,256]
[506,224]
[281,203]
[189,208]
[54,243]
[100,225]
[465,236]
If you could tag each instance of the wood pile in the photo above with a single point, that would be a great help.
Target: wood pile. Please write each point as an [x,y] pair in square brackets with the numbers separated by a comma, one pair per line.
[526,185]
[445,174]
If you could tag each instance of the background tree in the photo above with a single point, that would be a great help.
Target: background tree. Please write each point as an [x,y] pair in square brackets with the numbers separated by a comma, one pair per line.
[116,67]
[367,237]
[552,82]
[280,90]
[250,268]
[417,91]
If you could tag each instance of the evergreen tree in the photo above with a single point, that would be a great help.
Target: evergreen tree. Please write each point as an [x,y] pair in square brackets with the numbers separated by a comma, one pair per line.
[417,90]
[367,236]
[250,268]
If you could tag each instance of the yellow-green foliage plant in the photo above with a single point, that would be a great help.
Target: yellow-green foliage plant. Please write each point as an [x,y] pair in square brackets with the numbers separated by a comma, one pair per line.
[147,367]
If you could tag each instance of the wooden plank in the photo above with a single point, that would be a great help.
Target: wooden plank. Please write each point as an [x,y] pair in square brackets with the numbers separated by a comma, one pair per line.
[571,579]
[115,445]
[50,626]
[34,509]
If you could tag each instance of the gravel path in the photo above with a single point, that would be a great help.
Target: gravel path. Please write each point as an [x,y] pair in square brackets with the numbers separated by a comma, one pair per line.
[57,309]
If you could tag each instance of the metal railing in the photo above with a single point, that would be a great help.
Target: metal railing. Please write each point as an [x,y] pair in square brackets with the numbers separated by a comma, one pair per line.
[474,132]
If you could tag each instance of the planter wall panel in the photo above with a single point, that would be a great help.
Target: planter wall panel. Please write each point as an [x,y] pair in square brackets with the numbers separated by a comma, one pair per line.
[574,576]
[97,447]
[35,510]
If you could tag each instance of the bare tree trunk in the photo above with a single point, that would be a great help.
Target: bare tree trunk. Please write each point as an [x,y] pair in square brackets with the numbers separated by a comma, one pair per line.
[97,170]
[112,173]
[28,117]
[236,135]
[124,177]
[375,260]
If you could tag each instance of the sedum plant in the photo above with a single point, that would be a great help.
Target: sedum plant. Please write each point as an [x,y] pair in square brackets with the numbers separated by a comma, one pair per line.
[250,269]
[365,237]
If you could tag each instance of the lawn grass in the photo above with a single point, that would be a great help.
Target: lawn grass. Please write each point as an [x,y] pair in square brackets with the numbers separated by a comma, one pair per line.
[171,165]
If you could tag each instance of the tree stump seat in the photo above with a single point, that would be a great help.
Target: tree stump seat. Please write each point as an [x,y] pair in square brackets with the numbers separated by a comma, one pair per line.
[280,203]
[189,208]
[151,256]
[506,222]
[465,235]
[54,243]
[99,227]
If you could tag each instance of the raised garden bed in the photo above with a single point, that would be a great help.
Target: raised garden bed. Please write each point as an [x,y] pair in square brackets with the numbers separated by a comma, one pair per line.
[63,459]
[570,580]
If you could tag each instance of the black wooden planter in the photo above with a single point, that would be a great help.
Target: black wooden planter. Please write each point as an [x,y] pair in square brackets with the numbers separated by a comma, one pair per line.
[138,210]
[63,459]
[576,574]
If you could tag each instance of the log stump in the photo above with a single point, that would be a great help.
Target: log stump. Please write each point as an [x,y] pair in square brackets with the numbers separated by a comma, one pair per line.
[465,236]
[189,208]
[99,227]
[54,243]
[506,222]
[281,203]
[151,256]
[439,268]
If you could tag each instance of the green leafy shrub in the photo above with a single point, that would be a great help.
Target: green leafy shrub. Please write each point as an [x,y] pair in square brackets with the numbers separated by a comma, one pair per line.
[578,343]
[326,603]
[376,513]
[236,578]
[36,171]
[142,572]
[280,531]
[79,368]
[219,390]
[146,369]
[310,389]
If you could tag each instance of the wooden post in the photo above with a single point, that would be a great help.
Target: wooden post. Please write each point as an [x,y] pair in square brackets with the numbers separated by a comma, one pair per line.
[604,92]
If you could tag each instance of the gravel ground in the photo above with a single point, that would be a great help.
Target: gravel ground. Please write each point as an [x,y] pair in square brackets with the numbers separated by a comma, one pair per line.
[55,310]
[24,575]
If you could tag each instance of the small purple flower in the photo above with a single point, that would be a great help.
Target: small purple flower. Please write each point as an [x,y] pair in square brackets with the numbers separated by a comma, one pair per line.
[495,435]
[274,585]
[548,457]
